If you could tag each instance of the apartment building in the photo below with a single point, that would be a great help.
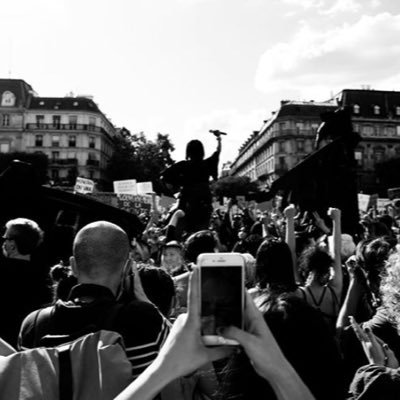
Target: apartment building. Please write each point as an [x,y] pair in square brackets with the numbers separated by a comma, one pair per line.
[289,136]
[76,136]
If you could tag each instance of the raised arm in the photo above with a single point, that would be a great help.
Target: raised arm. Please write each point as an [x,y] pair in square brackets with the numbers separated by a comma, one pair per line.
[219,144]
[290,238]
[354,293]
[337,281]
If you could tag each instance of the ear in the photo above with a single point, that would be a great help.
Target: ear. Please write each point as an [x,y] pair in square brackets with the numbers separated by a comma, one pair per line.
[72,263]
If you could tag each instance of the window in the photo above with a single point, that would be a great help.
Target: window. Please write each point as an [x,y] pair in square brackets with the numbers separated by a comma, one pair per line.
[55,155]
[358,155]
[379,155]
[389,131]
[6,119]
[39,121]
[72,141]
[281,147]
[377,110]
[92,123]
[4,147]
[356,109]
[39,140]
[299,126]
[73,121]
[55,141]
[397,110]
[300,145]
[92,142]
[56,121]
[367,130]
[8,99]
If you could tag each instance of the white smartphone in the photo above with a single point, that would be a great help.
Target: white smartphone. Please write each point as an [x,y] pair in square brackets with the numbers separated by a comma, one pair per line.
[222,295]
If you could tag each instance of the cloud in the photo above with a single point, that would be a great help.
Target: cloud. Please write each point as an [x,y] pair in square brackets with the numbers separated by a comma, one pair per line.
[343,6]
[326,7]
[315,62]
[237,125]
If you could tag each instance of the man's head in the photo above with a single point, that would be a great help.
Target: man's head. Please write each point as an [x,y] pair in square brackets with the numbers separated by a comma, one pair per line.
[21,238]
[100,253]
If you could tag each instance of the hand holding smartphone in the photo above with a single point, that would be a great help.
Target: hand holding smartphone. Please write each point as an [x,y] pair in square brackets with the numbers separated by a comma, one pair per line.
[221,294]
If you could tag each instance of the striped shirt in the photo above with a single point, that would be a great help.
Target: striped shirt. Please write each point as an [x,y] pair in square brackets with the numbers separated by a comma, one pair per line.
[93,307]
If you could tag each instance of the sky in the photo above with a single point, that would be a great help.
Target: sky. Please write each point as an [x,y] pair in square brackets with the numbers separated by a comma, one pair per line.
[184,67]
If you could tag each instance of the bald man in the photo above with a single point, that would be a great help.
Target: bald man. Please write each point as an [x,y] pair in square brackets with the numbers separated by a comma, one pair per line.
[100,256]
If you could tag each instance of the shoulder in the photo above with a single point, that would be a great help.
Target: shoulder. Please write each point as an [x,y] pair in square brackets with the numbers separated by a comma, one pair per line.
[143,317]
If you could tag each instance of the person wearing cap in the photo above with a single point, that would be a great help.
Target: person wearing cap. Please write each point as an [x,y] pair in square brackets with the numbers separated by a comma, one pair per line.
[172,258]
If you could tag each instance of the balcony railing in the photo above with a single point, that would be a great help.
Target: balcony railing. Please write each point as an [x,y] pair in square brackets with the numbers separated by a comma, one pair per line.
[95,163]
[65,127]
[63,161]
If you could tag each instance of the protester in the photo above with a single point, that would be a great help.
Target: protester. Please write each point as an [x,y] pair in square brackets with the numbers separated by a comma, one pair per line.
[100,256]
[172,259]
[191,177]
[23,284]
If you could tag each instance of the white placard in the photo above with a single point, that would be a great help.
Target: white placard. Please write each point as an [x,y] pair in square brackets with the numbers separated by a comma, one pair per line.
[363,201]
[127,186]
[83,185]
[144,188]
[382,203]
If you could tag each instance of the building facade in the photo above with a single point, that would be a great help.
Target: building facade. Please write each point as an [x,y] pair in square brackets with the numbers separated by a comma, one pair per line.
[76,136]
[283,141]
[289,136]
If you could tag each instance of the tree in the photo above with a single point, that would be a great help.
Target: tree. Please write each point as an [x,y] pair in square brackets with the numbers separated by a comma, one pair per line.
[136,157]
[232,186]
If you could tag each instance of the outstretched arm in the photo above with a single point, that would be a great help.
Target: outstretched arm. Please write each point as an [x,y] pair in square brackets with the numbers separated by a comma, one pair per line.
[337,280]
[182,353]
[290,238]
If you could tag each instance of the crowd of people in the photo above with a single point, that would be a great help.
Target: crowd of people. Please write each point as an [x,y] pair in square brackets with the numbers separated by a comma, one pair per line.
[322,309]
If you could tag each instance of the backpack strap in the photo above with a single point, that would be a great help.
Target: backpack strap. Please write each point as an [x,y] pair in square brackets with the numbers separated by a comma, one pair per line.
[43,322]
[65,382]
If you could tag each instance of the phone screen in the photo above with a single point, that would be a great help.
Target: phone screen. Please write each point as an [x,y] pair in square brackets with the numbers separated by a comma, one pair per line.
[221,298]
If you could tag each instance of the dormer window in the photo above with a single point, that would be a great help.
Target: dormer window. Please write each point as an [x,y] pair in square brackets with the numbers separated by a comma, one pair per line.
[377,110]
[356,109]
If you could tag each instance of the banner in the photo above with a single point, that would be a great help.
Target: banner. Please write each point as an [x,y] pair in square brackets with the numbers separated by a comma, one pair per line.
[127,186]
[135,204]
[83,185]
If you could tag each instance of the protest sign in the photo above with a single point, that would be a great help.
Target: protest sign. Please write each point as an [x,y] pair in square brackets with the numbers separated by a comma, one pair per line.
[166,202]
[144,188]
[394,193]
[83,185]
[382,203]
[127,186]
[363,201]
[265,205]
